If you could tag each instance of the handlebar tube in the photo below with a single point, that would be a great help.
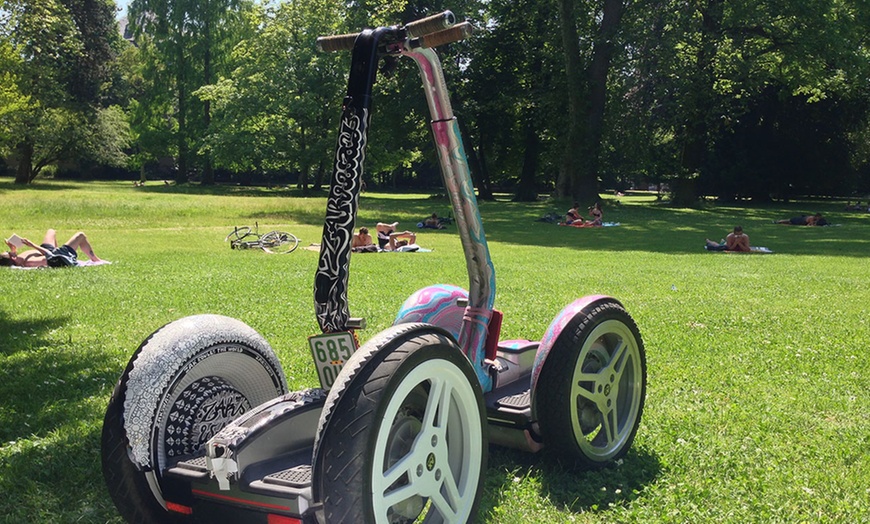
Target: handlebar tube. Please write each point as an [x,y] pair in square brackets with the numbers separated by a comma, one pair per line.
[330,280]
[457,180]
[414,41]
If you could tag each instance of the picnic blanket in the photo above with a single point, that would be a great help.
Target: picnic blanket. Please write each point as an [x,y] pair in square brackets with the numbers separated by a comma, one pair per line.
[583,224]
[410,248]
[79,263]
[754,250]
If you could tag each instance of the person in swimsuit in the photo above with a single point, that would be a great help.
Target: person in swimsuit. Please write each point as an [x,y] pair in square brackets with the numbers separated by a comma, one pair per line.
[596,214]
[804,220]
[390,240]
[573,214]
[737,240]
[48,252]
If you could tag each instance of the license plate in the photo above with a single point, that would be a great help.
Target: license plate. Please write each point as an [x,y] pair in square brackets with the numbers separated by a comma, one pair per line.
[330,352]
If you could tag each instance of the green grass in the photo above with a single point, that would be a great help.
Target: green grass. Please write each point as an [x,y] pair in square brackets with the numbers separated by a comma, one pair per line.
[758,404]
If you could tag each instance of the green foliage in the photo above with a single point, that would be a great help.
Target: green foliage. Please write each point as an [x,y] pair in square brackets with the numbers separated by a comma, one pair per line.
[276,109]
[757,405]
[56,59]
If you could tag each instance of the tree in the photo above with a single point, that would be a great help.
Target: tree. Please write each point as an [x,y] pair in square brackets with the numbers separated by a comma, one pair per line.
[715,80]
[275,112]
[587,93]
[56,57]
[191,37]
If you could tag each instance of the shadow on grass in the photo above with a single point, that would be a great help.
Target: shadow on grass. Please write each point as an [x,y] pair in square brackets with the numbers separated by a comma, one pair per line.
[571,490]
[56,479]
[44,387]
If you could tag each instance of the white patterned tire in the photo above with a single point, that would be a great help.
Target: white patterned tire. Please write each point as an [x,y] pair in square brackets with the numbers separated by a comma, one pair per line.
[402,436]
[186,382]
[590,394]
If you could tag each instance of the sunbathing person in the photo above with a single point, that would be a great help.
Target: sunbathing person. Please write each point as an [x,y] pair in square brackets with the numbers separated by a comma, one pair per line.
[805,220]
[433,222]
[362,242]
[49,253]
[737,240]
[390,240]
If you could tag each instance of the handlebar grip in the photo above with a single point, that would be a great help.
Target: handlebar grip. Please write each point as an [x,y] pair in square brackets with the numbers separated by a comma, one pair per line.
[453,34]
[430,24]
[336,42]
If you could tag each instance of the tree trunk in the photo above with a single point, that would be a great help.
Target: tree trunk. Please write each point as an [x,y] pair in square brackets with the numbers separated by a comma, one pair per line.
[478,171]
[23,175]
[526,189]
[183,150]
[578,177]
[696,132]
[568,170]
[207,168]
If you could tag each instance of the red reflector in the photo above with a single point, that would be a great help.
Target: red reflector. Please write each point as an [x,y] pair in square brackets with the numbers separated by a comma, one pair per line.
[281,519]
[178,508]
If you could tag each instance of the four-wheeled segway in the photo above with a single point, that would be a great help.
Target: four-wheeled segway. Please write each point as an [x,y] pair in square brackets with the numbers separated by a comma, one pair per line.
[201,427]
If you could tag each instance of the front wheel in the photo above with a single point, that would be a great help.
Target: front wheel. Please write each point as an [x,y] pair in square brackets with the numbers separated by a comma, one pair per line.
[279,242]
[590,393]
[186,382]
[409,425]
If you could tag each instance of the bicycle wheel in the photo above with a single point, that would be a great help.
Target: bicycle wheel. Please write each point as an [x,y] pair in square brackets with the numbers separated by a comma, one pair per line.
[279,242]
[237,234]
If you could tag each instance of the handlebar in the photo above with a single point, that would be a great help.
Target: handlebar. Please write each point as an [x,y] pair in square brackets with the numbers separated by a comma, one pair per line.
[431,31]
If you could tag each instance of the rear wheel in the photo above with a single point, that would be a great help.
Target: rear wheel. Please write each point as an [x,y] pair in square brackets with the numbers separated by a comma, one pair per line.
[591,391]
[409,424]
[279,242]
[184,384]
[237,234]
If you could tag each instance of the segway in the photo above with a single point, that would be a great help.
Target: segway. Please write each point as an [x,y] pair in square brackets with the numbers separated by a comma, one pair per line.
[201,426]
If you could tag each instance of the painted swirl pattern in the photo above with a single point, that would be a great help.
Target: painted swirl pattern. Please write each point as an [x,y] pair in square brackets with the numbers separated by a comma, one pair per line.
[330,282]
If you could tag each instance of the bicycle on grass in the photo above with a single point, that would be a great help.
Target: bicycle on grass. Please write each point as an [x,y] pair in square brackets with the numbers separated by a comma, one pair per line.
[275,242]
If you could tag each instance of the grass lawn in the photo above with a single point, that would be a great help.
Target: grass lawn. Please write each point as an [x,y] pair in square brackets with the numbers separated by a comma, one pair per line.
[758,403]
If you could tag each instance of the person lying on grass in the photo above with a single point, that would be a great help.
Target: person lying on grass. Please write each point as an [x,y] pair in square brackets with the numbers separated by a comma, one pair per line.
[49,253]
[805,220]
[390,240]
[737,240]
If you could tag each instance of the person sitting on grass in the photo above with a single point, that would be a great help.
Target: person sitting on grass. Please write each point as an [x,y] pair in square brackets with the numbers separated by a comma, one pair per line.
[596,214]
[737,240]
[433,222]
[573,214]
[362,242]
[49,253]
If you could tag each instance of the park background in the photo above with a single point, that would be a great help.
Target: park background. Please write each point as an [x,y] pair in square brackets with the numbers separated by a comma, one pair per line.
[760,100]
[734,112]
[757,408]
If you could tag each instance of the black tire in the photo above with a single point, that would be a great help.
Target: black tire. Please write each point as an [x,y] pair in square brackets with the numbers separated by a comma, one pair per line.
[386,409]
[159,407]
[279,242]
[590,395]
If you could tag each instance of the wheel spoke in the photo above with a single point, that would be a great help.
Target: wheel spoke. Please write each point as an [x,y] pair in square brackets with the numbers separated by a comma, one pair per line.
[399,494]
[452,490]
[620,359]
[437,406]
[404,465]
[610,423]
[442,503]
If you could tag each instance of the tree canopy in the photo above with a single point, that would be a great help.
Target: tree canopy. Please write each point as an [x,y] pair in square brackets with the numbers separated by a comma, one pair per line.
[762,99]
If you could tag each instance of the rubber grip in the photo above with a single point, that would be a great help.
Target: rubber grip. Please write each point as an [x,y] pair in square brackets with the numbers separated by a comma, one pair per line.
[430,24]
[336,42]
[454,34]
